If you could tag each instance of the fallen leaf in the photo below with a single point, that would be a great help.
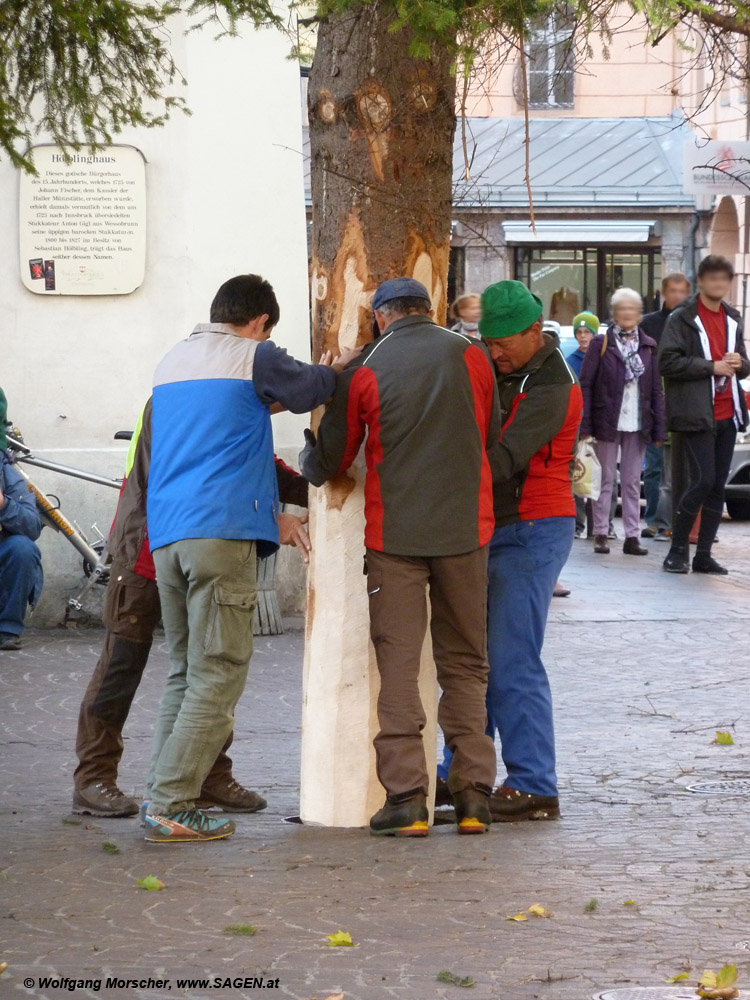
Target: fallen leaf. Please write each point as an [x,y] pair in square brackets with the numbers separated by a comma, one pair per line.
[3,967]
[341,939]
[109,848]
[591,905]
[537,910]
[453,979]
[718,985]
[726,976]
[678,978]
[519,917]
[724,739]
[630,902]
[152,883]
[247,929]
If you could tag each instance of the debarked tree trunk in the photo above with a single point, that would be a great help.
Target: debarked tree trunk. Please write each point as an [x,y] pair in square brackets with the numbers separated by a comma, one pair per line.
[381,131]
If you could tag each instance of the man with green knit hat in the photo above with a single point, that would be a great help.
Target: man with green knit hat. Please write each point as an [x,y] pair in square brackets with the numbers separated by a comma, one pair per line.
[20,559]
[541,406]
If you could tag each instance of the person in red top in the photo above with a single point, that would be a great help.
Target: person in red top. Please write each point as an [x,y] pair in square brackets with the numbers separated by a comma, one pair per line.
[714,323]
[702,356]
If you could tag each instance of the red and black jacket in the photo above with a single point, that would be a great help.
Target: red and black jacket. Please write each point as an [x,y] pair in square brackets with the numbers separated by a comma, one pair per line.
[426,399]
[532,462]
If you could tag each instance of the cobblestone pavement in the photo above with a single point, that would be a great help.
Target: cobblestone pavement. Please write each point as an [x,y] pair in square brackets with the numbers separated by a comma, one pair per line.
[645,668]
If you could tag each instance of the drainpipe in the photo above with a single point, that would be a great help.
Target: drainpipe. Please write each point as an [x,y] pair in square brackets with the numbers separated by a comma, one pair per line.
[692,234]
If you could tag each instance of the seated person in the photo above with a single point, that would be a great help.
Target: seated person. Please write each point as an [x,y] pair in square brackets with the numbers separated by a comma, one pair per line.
[20,560]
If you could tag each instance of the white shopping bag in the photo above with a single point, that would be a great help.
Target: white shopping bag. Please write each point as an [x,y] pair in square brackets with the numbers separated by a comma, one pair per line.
[587,472]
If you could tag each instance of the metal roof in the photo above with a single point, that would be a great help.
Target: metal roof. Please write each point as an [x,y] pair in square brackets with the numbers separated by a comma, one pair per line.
[575,163]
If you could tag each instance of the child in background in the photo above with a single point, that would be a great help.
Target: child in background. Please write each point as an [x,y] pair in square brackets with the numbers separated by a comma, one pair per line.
[466,312]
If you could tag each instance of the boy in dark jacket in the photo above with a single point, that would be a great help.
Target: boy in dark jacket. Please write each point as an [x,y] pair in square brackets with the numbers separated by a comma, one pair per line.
[702,356]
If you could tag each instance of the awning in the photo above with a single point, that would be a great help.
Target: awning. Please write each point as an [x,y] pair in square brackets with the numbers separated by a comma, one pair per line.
[580,231]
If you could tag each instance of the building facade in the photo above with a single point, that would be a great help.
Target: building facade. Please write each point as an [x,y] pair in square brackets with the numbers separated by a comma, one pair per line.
[605,170]
[224,196]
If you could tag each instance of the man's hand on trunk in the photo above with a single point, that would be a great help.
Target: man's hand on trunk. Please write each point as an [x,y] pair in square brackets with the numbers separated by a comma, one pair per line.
[293,531]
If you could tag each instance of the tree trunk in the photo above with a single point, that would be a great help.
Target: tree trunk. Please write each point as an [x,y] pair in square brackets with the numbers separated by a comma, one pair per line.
[381,130]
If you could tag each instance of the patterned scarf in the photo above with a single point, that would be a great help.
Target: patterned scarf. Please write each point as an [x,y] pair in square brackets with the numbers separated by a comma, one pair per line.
[628,343]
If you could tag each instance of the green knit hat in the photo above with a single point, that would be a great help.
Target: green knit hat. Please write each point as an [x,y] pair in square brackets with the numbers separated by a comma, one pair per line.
[3,418]
[508,307]
[586,319]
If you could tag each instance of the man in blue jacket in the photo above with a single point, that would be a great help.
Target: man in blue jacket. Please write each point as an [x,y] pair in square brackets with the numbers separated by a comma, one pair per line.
[212,507]
[20,560]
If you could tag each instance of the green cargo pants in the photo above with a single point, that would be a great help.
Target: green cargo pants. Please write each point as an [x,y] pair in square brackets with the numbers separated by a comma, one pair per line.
[207,588]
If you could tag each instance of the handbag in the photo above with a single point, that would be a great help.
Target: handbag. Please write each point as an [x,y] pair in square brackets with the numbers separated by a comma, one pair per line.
[587,471]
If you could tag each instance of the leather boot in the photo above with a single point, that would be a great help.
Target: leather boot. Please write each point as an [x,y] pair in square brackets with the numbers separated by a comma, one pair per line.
[632,547]
[600,545]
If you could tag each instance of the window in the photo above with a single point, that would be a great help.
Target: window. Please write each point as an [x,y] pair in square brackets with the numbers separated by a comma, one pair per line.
[550,67]
[569,280]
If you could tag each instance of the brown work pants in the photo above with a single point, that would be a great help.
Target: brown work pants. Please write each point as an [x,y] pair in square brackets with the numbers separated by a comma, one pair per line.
[131,614]
[397,588]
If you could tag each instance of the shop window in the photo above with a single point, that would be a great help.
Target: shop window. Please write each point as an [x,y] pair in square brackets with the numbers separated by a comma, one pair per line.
[569,280]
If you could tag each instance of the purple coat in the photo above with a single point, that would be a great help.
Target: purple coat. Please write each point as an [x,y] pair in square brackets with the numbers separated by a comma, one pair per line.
[603,384]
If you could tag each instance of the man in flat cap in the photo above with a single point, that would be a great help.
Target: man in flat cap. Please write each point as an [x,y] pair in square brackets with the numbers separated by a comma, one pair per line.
[426,399]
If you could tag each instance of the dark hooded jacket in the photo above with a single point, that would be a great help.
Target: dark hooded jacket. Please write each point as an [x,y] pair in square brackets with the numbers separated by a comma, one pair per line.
[688,373]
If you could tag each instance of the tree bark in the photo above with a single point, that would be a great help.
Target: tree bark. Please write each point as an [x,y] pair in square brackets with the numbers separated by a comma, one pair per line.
[381,133]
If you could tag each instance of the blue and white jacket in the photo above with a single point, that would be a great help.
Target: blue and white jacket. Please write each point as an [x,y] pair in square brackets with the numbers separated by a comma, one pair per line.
[212,469]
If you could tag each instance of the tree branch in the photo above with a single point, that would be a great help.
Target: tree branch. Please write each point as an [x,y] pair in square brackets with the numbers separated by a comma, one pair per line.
[724,22]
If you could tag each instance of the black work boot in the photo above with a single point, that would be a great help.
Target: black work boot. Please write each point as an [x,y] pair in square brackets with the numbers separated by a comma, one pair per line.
[508,805]
[705,563]
[678,560]
[403,815]
[473,810]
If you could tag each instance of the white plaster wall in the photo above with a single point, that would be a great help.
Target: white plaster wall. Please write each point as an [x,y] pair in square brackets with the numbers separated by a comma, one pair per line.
[225,196]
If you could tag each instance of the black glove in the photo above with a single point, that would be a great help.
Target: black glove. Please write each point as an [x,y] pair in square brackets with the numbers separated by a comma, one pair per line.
[309,437]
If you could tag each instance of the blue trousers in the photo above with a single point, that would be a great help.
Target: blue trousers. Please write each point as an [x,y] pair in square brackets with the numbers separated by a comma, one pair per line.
[525,562]
[20,580]
[652,483]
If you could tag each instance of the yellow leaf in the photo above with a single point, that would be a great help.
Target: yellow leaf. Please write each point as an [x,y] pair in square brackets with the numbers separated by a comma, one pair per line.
[519,917]
[678,978]
[726,976]
[537,910]
[708,979]
[629,902]
[341,939]
[152,883]
[724,739]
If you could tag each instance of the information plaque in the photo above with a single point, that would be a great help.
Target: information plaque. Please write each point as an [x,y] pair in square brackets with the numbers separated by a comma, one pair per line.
[83,222]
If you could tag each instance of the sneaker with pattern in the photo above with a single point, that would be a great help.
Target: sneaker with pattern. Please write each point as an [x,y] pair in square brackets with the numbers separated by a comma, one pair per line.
[186,826]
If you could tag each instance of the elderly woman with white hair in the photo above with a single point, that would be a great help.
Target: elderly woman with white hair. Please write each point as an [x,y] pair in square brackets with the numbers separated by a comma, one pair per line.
[623,410]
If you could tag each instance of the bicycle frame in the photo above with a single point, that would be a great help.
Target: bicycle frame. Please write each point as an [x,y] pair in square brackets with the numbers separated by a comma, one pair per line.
[55,519]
